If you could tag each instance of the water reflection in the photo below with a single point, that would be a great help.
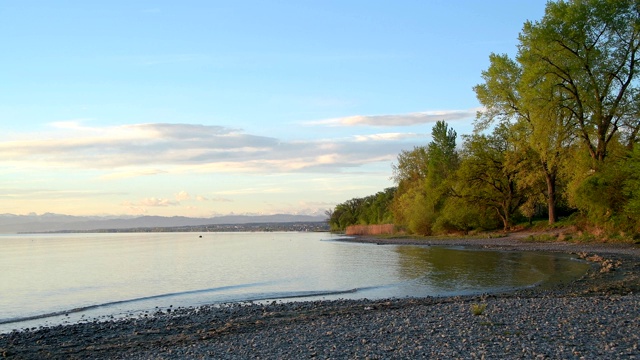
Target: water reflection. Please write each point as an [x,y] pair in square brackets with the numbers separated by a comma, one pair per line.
[455,270]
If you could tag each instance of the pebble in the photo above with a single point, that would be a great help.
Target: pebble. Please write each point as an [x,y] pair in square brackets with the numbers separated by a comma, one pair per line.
[538,327]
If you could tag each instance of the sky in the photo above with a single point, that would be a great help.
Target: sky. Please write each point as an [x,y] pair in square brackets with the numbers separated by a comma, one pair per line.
[203,108]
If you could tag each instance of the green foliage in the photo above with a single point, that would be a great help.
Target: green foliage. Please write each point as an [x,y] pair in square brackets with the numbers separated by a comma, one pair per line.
[374,209]
[586,52]
[488,174]
[559,129]
[607,197]
[423,187]
[631,188]
[442,157]
[410,209]
[411,167]
[460,215]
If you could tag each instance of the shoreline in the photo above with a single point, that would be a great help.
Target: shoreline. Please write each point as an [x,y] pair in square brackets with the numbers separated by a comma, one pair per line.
[515,241]
[596,316]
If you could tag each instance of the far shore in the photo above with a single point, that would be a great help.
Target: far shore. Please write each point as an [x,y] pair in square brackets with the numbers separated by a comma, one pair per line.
[596,316]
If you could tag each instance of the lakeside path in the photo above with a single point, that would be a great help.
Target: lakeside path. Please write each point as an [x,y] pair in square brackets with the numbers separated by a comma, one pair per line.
[595,317]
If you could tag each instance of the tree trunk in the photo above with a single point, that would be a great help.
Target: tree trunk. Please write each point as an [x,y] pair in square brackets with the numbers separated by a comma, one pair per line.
[551,197]
[504,215]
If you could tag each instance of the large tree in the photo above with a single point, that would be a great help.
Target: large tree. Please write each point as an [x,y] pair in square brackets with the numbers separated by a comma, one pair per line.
[586,51]
[534,113]
[575,77]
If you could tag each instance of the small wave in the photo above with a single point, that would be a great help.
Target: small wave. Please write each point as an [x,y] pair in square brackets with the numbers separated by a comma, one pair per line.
[127,301]
[307,294]
[257,298]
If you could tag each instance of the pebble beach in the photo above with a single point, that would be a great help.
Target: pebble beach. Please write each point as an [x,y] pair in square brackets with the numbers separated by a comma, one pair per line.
[595,317]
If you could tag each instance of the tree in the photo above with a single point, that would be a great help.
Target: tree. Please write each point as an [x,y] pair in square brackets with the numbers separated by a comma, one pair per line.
[464,214]
[487,175]
[587,52]
[632,188]
[409,206]
[376,209]
[373,209]
[345,214]
[532,111]
[411,167]
[442,157]
[411,210]
[582,57]
[421,175]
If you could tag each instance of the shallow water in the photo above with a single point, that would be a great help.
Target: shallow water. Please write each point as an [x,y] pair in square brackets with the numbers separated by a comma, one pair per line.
[57,278]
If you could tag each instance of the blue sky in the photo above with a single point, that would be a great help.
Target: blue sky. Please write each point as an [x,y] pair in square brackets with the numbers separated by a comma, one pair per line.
[204,108]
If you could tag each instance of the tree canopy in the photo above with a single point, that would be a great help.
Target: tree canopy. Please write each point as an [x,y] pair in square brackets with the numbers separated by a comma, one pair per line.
[557,134]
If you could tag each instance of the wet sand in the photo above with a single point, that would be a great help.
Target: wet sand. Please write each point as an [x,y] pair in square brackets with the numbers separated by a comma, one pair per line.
[596,316]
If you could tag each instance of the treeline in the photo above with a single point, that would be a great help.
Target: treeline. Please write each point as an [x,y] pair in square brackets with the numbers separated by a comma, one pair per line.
[558,135]
[373,209]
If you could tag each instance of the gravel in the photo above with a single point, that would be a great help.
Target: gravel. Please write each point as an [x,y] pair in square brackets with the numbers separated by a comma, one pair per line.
[595,317]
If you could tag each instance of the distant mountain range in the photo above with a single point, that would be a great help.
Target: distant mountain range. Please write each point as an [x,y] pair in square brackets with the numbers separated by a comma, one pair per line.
[48,222]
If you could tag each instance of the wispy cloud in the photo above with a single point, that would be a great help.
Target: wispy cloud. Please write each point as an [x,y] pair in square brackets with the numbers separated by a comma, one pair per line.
[52,194]
[150,149]
[212,199]
[151,202]
[388,136]
[410,119]
[131,174]
[181,199]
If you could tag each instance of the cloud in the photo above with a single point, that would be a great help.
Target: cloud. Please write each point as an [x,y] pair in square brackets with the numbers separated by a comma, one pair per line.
[52,194]
[388,136]
[183,196]
[138,144]
[410,119]
[131,174]
[214,199]
[150,149]
[315,208]
[151,202]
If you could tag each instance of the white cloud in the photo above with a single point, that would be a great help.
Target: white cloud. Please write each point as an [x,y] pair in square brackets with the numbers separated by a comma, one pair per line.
[214,199]
[388,136]
[410,119]
[183,196]
[151,202]
[150,149]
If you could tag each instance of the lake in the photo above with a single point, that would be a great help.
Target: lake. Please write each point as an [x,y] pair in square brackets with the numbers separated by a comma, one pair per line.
[48,279]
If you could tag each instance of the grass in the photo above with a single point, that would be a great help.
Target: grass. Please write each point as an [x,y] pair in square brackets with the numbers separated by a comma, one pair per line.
[577,230]
[478,309]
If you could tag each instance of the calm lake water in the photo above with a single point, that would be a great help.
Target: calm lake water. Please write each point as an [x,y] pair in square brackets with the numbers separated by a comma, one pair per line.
[52,279]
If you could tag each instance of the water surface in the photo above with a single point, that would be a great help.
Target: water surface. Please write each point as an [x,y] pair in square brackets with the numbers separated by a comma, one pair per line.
[82,276]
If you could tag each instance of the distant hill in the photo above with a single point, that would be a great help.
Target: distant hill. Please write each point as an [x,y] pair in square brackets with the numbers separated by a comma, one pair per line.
[48,222]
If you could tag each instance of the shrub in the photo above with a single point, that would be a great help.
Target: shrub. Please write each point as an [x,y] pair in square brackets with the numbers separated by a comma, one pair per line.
[478,309]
